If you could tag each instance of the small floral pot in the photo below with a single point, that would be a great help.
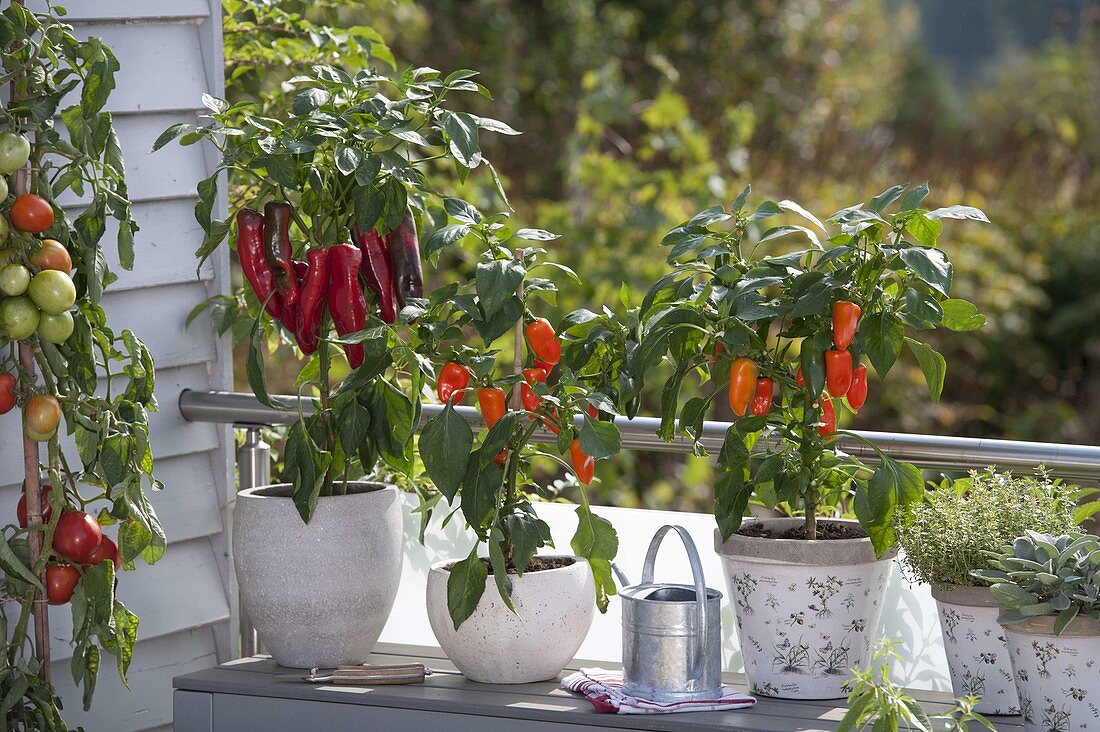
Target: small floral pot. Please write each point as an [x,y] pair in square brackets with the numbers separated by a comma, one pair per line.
[806,611]
[977,655]
[1057,676]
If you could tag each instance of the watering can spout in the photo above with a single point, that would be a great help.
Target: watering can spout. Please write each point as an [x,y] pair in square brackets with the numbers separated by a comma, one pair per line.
[620,575]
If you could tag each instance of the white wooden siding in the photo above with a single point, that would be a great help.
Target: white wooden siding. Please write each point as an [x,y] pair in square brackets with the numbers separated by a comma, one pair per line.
[170,54]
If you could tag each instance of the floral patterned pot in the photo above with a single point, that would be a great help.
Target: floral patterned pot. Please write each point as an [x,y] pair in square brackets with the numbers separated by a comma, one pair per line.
[977,655]
[806,610]
[1057,676]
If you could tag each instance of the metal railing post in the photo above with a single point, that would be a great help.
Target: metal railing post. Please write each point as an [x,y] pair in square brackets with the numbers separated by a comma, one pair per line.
[253,470]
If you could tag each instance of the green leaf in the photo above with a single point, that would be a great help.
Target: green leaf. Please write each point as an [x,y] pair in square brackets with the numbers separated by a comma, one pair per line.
[445,445]
[882,335]
[932,364]
[599,440]
[500,570]
[497,282]
[960,315]
[914,197]
[442,238]
[881,201]
[305,466]
[461,128]
[959,212]
[931,265]
[894,485]
[171,134]
[501,322]
[498,436]
[480,490]
[528,533]
[788,205]
[596,540]
[465,586]
[347,159]
[12,565]
[924,230]
[254,368]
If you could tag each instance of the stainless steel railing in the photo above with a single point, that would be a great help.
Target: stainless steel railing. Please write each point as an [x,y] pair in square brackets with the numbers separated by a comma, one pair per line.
[1072,462]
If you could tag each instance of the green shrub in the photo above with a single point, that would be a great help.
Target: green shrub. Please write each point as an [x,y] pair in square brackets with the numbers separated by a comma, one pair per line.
[947,535]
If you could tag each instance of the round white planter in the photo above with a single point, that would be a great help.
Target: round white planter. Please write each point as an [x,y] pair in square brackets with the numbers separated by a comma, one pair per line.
[318,594]
[975,645]
[1057,676]
[554,609]
[806,610]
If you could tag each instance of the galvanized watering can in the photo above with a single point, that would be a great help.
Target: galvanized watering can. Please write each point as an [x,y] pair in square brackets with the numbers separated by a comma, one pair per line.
[672,633]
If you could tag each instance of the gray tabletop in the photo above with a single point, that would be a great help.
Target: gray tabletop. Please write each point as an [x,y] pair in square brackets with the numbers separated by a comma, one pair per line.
[244,695]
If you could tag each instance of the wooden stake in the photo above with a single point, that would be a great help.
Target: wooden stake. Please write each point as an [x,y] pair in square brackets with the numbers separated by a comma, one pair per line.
[39,609]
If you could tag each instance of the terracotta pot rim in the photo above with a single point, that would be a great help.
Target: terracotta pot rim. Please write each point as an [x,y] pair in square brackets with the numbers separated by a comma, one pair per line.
[815,552]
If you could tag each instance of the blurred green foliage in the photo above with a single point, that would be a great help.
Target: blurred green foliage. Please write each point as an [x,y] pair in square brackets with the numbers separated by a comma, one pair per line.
[637,114]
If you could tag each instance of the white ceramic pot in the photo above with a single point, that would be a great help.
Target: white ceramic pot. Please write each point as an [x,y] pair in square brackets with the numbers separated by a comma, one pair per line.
[806,611]
[1057,676]
[975,645]
[554,609]
[318,594]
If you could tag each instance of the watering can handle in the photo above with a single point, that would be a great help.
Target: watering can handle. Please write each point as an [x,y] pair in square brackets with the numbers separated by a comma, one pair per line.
[700,587]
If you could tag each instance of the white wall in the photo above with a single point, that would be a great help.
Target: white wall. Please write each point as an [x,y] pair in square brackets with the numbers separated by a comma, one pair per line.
[910,612]
[170,54]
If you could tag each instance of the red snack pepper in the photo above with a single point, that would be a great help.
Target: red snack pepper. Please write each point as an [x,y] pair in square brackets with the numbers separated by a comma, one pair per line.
[377,271]
[492,401]
[838,372]
[277,250]
[543,341]
[544,365]
[452,382]
[857,392]
[311,303]
[346,303]
[250,252]
[845,323]
[404,249]
[828,417]
[583,466]
[761,402]
[742,384]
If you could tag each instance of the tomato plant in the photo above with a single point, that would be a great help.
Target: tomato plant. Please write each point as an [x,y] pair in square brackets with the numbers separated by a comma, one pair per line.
[806,317]
[57,140]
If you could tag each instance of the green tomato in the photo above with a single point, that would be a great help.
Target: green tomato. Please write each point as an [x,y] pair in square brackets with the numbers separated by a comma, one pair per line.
[15,151]
[55,328]
[18,318]
[14,279]
[3,188]
[52,291]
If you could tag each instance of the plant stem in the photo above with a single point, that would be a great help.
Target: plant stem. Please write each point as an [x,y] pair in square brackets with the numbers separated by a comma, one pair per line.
[326,404]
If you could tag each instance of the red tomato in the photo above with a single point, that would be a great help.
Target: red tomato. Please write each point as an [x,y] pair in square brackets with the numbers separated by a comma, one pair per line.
[61,580]
[52,255]
[492,401]
[43,501]
[452,382]
[7,392]
[107,549]
[77,536]
[43,413]
[857,392]
[762,400]
[31,213]
[838,372]
[583,466]
[543,341]
[742,384]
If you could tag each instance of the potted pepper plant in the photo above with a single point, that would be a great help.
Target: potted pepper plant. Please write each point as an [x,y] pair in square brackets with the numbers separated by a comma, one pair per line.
[528,622]
[781,335]
[330,249]
[1048,588]
[947,536]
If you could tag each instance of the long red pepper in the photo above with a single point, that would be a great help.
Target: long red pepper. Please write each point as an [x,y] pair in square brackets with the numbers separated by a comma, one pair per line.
[311,302]
[250,252]
[404,249]
[277,250]
[346,302]
[377,271]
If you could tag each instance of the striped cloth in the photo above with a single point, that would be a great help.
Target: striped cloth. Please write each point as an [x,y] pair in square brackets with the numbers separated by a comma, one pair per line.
[604,690]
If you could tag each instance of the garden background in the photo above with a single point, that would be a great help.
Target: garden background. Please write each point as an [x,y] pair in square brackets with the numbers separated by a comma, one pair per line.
[637,114]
